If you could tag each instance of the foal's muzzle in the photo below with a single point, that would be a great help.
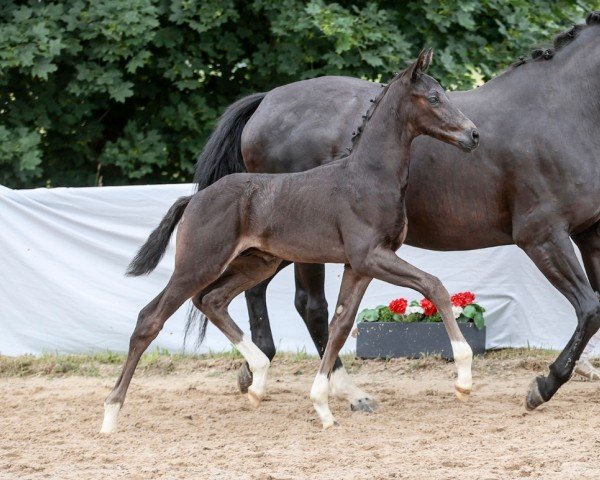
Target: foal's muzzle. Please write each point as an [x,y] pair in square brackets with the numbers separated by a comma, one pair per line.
[470,141]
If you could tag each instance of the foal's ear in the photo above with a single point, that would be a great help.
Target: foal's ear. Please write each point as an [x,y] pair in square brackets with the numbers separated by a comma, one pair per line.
[421,64]
[593,18]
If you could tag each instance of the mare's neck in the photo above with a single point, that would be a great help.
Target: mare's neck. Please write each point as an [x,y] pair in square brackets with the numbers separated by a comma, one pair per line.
[568,83]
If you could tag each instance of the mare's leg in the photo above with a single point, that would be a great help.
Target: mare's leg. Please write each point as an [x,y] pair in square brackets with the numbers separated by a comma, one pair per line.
[311,304]
[384,264]
[351,293]
[589,245]
[241,274]
[552,252]
[260,327]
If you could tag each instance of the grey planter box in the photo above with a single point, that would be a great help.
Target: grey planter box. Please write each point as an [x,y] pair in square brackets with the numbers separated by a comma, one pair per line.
[412,340]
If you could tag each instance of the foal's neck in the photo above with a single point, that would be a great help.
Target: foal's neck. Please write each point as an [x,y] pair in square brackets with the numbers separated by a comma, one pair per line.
[384,147]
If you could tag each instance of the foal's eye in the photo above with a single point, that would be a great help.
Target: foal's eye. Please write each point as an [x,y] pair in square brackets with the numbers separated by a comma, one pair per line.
[434,99]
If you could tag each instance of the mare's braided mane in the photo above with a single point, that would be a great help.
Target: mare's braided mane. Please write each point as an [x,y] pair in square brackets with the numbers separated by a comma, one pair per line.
[560,41]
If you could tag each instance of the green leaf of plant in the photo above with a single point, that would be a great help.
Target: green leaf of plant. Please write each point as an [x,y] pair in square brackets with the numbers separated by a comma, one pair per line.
[121,91]
[479,321]
[368,315]
[42,67]
[469,311]
[372,59]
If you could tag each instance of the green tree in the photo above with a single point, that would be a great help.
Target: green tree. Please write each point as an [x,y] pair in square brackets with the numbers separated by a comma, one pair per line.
[127,91]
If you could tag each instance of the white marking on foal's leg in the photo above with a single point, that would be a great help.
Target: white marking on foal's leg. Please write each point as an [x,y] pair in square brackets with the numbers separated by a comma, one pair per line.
[339,309]
[342,386]
[259,366]
[111,414]
[319,394]
[463,357]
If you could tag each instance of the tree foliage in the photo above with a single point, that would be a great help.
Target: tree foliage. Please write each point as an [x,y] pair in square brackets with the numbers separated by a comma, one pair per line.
[127,91]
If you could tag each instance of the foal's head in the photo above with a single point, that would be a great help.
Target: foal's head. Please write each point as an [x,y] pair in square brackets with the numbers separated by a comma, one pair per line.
[427,109]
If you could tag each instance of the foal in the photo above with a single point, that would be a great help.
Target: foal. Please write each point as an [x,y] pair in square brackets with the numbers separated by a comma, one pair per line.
[235,233]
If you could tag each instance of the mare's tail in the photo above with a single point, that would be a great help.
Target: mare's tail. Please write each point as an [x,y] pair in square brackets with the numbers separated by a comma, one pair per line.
[221,156]
[222,153]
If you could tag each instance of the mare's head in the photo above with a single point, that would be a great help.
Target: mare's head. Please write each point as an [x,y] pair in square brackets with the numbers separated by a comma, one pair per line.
[427,109]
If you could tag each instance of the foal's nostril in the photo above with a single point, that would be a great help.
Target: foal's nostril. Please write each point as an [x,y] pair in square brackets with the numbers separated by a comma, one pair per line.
[475,135]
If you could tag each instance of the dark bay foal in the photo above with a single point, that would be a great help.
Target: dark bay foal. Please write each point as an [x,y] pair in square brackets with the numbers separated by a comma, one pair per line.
[236,233]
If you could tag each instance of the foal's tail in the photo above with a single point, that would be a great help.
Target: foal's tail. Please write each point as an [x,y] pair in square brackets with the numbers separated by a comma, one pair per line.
[153,250]
[222,153]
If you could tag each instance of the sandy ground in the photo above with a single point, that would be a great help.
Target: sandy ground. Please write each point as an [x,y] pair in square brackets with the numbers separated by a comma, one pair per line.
[192,424]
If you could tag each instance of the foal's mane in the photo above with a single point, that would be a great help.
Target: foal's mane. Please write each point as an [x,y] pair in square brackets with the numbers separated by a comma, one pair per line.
[356,134]
[560,41]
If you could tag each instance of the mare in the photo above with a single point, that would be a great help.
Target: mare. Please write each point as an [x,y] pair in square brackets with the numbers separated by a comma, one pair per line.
[534,182]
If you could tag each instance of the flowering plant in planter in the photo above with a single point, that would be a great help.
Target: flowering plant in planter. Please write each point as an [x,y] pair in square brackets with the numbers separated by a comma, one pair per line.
[400,310]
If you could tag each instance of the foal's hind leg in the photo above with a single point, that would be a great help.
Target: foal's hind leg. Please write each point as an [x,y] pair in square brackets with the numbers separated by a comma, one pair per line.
[150,322]
[554,255]
[260,327]
[312,306]
[200,257]
[243,273]
[351,292]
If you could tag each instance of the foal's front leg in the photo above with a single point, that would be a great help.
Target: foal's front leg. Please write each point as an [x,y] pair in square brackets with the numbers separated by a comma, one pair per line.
[312,306]
[385,265]
[351,293]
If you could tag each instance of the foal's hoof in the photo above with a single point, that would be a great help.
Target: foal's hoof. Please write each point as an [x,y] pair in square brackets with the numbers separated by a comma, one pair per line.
[462,393]
[244,378]
[534,397]
[254,398]
[366,404]
[111,413]
[329,424]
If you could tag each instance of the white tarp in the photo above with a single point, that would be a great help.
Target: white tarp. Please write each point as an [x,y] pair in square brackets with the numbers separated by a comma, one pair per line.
[63,252]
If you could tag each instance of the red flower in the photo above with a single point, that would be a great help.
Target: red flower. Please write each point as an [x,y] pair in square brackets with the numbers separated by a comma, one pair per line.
[428,308]
[398,306]
[462,299]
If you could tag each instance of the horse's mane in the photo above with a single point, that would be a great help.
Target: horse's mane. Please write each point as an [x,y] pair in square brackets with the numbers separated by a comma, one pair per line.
[367,116]
[560,41]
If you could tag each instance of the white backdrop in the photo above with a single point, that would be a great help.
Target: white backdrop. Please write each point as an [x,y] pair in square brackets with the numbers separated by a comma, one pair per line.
[63,252]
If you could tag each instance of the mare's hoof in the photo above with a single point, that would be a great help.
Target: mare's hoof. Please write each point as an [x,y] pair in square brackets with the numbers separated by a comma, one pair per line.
[534,397]
[244,378]
[365,404]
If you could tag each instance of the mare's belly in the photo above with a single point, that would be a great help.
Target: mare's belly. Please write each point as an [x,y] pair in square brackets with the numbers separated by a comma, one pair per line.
[449,207]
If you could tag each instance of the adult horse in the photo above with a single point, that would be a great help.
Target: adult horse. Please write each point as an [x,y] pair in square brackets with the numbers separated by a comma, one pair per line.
[534,182]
